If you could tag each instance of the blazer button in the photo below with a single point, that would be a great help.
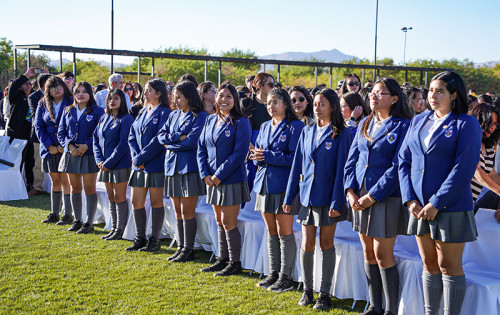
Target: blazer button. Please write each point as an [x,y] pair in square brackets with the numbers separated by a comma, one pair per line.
[366,165]
[312,176]
[422,171]
[312,161]
[215,159]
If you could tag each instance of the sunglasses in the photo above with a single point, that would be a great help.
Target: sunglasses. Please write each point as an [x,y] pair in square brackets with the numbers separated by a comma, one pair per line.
[272,84]
[354,83]
[129,89]
[300,99]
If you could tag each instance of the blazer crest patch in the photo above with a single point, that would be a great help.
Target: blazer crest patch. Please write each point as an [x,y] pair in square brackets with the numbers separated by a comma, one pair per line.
[391,137]
[228,133]
[328,145]
[448,133]
[155,121]
[283,138]
[89,117]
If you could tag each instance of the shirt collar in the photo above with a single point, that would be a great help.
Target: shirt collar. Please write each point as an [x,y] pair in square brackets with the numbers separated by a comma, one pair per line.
[436,118]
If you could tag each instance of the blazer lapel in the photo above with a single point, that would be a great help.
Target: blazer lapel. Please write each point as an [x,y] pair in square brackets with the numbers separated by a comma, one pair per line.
[219,131]
[277,131]
[382,131]
[183,119]
[441,129]
[175,126]
[152,118]
[326,134]
[418,127]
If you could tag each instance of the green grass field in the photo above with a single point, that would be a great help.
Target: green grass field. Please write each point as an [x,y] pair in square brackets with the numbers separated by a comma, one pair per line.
[46,270]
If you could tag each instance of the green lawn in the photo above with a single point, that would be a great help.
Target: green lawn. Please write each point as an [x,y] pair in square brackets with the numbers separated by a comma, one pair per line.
[45,270]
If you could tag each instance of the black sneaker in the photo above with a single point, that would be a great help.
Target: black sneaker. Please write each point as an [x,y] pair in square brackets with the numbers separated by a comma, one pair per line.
[185,255]
[220,263]
[86,228]
[109,234]
[307,298]
[372,311]
[268,281]
[232,268]
[51,218]
[284,283]
[152,245]
[76,226]
[139,243]
[324,302]
[65,219]
[116,236]
[176,254]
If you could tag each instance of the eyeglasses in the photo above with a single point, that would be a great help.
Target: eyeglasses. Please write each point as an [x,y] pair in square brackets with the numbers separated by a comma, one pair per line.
[272,84]
[300,99]
[214,90]
[378,95]
[354,83]
[57,87]
[129,89]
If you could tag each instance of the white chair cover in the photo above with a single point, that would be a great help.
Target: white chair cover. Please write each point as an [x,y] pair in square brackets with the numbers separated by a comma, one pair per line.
[12,185]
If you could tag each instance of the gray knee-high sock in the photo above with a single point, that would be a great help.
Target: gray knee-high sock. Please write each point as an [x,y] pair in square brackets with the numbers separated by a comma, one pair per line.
[68,210]
[374,286]
[328,267]
[453,293]
[273,247]
[140,222]
[76,204]
[433,291]
[233,238]
[223,249]
[288,252]
[91,208]
[55,202]
[112,211]
[307,262]
[122,215]
[390,282]
[190,227]
[157,216]
[180,233]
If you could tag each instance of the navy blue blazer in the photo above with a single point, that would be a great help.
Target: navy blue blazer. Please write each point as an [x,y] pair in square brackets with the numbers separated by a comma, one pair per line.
[46,128]
[376,162]
[111,142]
[79,131]
[318,172]
[441,175]
[143,140]
[222,152]
[181,154]
[279,148]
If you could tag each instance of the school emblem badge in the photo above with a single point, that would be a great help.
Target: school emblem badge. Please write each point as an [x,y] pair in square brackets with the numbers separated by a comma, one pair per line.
[114,125]
[328,145]
[448,133]
[228,133]
[391,137]
[186,122]
[155,121]
[283,138]
[89,117]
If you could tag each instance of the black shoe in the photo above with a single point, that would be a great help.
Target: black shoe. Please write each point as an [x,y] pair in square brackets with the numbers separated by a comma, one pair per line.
[232,268]
[65,219]
[76,226]
[284,283]
[324,302]
[268,281]
[139,243]
[388,312]
[185,255]
[109,234]
[116,236]
[176,254]
[220,263]
[51,218]
[86,228]
[152,245]
[371,311]
[307,298]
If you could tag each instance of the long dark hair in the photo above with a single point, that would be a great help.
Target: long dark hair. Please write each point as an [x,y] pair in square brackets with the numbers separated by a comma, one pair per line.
[336,119]
[235,112]
[48,100]
[139,87]
[484,114]
[159,85]
[400,109]
[353,99]
[122,110]
[290,114]
[88,89]
[259,80]
[309,108]
[188,89]
[454,83]
[343,89]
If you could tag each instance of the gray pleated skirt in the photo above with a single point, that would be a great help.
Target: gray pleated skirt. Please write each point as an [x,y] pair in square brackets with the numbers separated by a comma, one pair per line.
[146,180]
[77,164]
[228,195]
[114,176]
[186,185]
[51,164]
[448,227]
[318,216]
[383,219]
[273,203]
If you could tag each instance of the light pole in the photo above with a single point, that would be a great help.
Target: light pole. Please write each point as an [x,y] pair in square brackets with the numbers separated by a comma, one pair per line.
[112,32]
[375,57]
[405,30]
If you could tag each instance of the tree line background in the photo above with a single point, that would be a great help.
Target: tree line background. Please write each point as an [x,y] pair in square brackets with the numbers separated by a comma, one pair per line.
[482,79]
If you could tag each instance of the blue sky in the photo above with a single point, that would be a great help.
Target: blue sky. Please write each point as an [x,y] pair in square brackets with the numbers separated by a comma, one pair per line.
[442,29]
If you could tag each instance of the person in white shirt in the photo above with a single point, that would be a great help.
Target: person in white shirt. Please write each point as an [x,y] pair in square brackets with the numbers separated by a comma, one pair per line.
[115,82]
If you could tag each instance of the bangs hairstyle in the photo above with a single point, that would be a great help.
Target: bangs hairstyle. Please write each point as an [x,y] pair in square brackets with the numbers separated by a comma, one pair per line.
[336,119]
[259,80]
[235,112]
[188,89]
[48,100]
[160,86]
[454,83]
[347,77]
[400,109]
[309,108]
[88,88]
[353,99]
[290,114]
[484,114]
[122,110]
[139,87]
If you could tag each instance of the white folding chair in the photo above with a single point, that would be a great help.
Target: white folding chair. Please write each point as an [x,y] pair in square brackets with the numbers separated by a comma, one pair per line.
[12,186]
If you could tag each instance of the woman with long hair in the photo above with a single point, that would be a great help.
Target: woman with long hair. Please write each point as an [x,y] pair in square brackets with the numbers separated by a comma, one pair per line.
[353,109]
[207,92]
[351,83]
[302,104]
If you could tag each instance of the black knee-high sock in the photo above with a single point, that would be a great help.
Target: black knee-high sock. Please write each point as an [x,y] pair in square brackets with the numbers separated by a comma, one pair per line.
[234,244]
[433,292]
[374,280]
[390,282]
[157,216]
[55,201]
[112,212]
[68,210]
[91,207]
[288,252]
[122,215]
[307,262]
[76,204]
[328,268]
[273,248]
[223,249]
[180,233]
[140,222]
[190,227]
[453,293]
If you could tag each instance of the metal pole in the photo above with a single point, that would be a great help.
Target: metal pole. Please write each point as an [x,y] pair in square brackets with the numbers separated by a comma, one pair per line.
[139,69]
[112,32]
[220,73]
[315,76]
[206,70]
[375,55]
[74,65]
[404,50]
[152,67]
[426,76]
[15,62]
[279,73]
[363,77]
[331,78]
[60,62]
[421,77]
[264,67]
[28,59]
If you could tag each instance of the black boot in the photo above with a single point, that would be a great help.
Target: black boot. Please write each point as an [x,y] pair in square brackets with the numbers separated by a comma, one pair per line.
[117,235]
[233,268]
[139,243]
[65,219]
[152,246]
[185,255]
[307,298]
[176,254]
[108,235]
[324,302]
[86,228]
[51,218]
[268,281]
[284,283]
[77,225]
[220,263]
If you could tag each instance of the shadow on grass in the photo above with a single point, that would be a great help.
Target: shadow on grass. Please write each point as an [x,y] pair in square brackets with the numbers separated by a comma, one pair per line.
[41,202]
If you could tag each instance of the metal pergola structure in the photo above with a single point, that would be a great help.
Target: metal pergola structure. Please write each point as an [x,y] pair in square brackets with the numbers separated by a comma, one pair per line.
[157,55]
